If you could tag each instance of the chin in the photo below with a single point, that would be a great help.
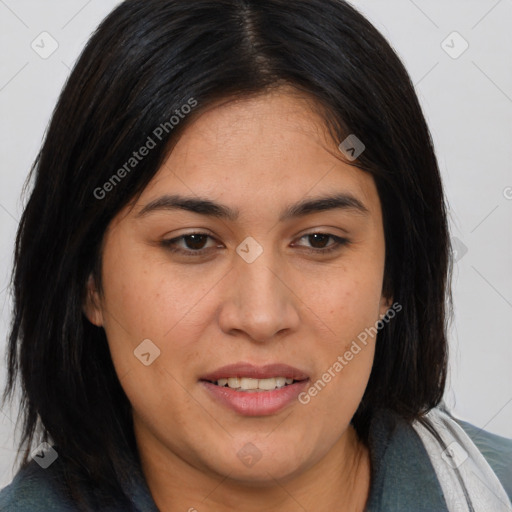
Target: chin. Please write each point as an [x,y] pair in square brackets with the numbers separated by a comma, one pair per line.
[252,466]
[263,474]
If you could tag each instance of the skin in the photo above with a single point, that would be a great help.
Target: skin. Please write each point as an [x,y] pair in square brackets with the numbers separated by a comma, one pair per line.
[257,155]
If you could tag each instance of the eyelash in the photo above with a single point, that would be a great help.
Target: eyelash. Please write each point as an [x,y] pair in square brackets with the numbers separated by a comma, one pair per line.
[169,244]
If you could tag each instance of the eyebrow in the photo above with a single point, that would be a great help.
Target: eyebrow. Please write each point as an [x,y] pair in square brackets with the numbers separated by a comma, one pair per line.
[203,206]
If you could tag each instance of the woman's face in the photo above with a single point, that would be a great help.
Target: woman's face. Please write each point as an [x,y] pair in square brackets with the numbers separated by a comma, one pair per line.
[257,291]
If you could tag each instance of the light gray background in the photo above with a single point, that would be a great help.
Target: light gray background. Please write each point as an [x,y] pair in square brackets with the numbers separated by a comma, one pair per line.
[468,104]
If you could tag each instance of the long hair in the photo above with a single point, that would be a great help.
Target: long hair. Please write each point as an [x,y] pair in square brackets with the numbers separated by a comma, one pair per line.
[147,60]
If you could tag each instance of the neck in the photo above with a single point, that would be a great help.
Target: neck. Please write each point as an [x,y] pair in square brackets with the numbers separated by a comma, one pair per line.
[339,481]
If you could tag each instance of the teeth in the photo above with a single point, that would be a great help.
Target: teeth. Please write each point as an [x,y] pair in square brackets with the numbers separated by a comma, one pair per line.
[248,384]
[233,382]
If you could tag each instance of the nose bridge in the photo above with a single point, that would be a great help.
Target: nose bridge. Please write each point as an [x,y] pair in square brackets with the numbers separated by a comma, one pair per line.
[258,284]
[260,305]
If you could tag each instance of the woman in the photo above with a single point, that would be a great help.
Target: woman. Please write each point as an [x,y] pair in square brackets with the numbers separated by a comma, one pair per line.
[231,276]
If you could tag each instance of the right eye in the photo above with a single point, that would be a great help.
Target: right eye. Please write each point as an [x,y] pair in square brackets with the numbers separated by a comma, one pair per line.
[194,244]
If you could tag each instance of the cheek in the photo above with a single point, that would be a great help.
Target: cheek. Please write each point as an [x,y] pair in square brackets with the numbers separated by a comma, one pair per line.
[146,294]
[349,306]
[349,300]
[345,358]
[148,298]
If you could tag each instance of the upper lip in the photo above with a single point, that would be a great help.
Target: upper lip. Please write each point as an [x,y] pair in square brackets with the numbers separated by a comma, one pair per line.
[243,369]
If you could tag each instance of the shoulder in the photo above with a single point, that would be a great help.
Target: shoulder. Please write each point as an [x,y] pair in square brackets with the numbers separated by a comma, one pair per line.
[409,463]
[497,450]
[34,489]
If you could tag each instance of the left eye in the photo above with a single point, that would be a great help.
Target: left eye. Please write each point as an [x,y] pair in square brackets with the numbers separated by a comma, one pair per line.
[195,243]
[319,241]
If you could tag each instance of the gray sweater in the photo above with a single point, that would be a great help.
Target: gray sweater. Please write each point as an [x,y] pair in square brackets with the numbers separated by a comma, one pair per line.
[402,477]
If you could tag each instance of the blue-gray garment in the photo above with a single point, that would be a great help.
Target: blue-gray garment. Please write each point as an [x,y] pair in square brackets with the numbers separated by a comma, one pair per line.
[402,477]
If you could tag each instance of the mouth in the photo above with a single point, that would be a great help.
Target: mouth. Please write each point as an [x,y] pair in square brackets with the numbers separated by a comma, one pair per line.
[255,391]
[250,385]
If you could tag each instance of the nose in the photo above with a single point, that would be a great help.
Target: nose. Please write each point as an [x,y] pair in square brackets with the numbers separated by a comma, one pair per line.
[259,302]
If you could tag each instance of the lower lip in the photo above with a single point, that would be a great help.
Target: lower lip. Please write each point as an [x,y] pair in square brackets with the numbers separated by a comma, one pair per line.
[258,403]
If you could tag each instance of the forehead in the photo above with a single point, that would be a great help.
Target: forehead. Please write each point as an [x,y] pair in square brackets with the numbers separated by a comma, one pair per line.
[273,144]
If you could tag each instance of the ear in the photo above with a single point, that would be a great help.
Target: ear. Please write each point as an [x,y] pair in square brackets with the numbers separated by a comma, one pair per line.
[92,304]
[385,304]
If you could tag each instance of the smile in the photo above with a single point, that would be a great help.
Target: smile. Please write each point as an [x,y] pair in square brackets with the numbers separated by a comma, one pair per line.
[255,391]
